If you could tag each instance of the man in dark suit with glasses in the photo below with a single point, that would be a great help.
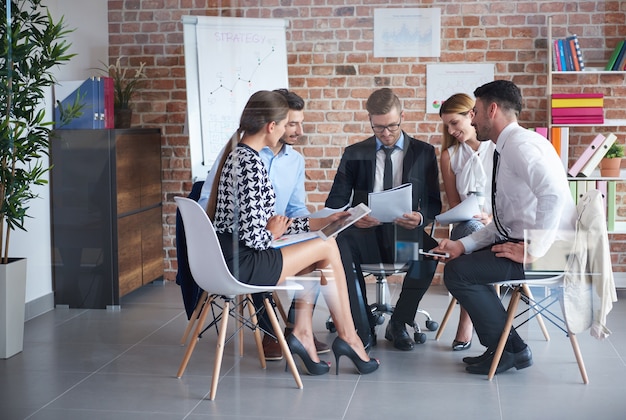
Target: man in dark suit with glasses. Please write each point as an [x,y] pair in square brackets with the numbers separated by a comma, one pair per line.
[389,159]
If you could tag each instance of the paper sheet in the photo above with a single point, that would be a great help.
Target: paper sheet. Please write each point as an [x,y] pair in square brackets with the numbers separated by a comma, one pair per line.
[327,211]
[390,204]
[464,211]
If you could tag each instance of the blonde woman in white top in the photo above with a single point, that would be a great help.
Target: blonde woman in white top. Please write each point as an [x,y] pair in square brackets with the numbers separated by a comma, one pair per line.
[466,167]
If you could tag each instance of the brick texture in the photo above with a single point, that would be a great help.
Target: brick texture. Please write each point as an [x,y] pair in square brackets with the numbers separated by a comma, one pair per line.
[331,64]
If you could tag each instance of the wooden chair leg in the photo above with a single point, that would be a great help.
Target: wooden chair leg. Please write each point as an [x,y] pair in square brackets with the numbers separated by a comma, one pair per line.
[446,317]
[538,316]
[240,300]
[194,316]
[196,333]
[219,350]
[257,332]
[283,343]
[280,308]
[579,357]
[515,298]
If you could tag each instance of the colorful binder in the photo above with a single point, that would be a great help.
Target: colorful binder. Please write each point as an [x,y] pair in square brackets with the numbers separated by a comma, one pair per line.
[579,64]
[597,156]
[96,95]
[85,92]
[610,204]
[586,155]
[614,55]
[107,102]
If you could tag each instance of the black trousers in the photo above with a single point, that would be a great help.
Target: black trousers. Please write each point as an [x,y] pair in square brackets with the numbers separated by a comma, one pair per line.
[468,279]
[377,244]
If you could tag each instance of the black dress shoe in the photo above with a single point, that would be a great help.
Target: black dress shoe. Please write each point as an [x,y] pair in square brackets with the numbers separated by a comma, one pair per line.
[519,360]
[472,360]
[397,333]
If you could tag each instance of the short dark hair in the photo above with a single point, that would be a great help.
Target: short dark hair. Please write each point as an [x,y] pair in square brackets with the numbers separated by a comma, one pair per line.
[295,102]
[503,92]
[382,101]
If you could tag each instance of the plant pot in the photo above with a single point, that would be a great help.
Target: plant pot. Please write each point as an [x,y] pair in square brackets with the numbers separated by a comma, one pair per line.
[610,167]
[123,118]
[12,304]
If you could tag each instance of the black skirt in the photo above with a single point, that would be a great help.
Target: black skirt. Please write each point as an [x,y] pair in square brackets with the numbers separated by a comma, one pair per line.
[252,266]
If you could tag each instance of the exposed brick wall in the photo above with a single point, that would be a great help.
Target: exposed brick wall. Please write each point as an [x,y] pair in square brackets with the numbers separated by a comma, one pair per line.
[331,64]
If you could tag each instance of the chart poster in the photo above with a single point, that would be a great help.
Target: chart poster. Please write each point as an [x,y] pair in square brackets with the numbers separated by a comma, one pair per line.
[410,32]
[227,59]
[444,80]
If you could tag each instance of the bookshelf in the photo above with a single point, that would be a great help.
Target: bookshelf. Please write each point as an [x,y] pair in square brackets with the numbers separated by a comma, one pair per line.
[586,132]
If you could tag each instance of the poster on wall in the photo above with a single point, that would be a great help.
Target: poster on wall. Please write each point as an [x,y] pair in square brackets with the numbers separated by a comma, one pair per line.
[227,59]
[444,80]
[409,32]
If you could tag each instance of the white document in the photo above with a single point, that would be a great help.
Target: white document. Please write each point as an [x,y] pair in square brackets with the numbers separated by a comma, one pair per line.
[327,211]
[390,204]
[464,211]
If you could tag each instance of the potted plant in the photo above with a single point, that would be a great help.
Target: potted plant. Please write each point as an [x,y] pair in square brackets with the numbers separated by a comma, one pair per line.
[31,46]
[611,163]
[126,82]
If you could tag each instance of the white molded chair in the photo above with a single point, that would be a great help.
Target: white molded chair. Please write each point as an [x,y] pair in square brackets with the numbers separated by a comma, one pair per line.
[210,271]
[584,287]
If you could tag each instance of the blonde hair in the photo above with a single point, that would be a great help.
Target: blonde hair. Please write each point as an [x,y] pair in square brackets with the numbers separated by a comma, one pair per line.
[459,103]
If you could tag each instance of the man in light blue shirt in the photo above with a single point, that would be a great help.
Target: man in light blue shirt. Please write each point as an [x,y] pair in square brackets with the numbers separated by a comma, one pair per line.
[286,168]
[286,171]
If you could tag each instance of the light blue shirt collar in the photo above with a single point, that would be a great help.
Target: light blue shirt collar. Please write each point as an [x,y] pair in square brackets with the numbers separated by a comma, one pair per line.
[399,144]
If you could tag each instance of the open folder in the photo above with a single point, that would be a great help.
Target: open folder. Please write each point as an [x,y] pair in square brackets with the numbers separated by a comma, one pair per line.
[328,231]
[390,204]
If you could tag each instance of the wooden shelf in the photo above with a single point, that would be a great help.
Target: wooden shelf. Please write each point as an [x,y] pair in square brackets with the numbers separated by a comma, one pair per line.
[592,70]
[619,226]
[606,123]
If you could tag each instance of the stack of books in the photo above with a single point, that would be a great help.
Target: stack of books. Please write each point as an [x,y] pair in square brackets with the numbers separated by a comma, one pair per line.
[567,54]
[617,61]
[577,108]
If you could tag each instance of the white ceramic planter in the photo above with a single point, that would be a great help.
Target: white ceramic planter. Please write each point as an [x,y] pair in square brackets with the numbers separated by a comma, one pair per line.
[12,304]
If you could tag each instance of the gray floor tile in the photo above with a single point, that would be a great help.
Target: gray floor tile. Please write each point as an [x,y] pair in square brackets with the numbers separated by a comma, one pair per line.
[110,364]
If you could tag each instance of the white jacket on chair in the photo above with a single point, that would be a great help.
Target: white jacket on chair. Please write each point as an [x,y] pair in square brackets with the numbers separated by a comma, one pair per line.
[589,288]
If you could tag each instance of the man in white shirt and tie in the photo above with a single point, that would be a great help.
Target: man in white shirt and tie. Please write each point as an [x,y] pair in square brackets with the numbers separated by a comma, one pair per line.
[530,191]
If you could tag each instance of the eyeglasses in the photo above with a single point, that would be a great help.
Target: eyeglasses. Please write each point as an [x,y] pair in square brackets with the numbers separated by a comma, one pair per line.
[380,129]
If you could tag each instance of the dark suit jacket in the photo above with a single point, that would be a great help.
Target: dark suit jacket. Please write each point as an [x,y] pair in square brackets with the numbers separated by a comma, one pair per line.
[190,290]
[358,167]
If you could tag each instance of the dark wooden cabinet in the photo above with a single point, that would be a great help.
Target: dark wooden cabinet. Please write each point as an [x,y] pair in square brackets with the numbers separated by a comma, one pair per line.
[107,228]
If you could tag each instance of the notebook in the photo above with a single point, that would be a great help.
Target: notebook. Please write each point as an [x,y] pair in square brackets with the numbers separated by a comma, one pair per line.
[328,231]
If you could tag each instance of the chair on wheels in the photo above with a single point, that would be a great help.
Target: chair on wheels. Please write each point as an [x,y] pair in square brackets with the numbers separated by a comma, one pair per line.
[405,253]
[382,306]
[584,288]
[210,271]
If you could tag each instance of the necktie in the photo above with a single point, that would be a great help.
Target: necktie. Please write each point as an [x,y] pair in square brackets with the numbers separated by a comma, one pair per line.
[388,174]
[501,230]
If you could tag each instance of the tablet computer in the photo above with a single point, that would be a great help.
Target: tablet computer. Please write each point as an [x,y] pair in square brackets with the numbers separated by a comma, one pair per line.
[330,230]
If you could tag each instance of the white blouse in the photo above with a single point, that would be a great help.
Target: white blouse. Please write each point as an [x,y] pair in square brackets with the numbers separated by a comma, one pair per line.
[473,171]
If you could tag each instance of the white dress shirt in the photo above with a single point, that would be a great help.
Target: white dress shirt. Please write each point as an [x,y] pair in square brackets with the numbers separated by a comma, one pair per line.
[532,192]
[397,158]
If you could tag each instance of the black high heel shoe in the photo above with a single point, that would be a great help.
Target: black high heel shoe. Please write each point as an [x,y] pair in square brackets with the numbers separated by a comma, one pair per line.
[341,348]
[311,367]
